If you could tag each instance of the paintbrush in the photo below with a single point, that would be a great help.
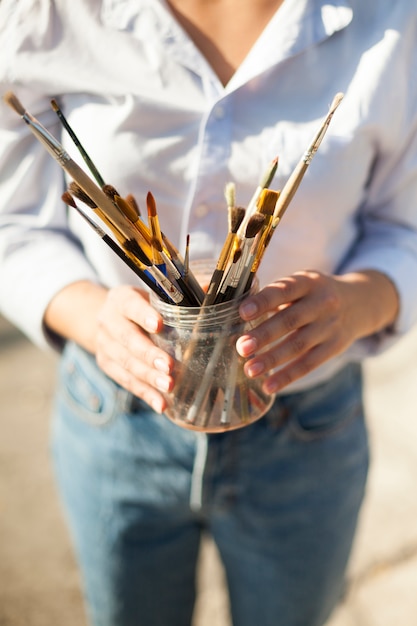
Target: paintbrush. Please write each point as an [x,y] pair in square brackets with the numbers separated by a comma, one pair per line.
[236,216]
[184,268]
[201,391]
[155,247]
[129,210]
[266,206]
[297,175]
[131,200]
[115,218]
[187,258]
[162,280]
[264,183]
[134,250]
[230,195]
[76,191]
[154,227]
[233,278]
[293,183]
[78,143]
[81,195]
[135,266]
[284,198]
[228,402]
[163,242]
[158,241]
[190,298]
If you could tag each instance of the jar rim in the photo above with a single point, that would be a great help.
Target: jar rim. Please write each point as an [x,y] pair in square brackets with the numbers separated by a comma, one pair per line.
[211,314]
[207,315]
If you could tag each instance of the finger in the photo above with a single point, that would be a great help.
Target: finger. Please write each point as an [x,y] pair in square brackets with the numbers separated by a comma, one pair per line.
[141,377]
[273,296]
[131,304]
[149,366]
[120,333]
[136,386]
[290,348]
[135,352]
[298,368]
[288,320]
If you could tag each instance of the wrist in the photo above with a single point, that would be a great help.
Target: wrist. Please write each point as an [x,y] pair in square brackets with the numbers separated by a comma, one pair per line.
[375,297]
[72,313]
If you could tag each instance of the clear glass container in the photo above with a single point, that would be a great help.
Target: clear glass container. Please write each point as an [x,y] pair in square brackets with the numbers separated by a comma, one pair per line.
[212,392]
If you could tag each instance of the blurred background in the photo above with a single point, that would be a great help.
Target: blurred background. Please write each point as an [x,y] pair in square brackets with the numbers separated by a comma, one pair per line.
[39,584]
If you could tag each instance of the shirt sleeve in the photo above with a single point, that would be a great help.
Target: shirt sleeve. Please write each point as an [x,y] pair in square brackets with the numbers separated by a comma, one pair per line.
[387,221]
[39,255]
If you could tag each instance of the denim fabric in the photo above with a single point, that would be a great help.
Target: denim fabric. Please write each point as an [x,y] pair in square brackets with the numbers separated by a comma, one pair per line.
[280,498]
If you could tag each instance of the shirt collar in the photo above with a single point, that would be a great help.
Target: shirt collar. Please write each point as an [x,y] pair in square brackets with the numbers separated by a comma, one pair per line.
[296,26]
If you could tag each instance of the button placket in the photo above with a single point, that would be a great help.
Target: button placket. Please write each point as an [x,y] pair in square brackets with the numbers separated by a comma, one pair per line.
[213,161]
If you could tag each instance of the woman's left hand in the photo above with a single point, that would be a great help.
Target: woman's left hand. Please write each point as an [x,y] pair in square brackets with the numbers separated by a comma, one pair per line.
[311,318]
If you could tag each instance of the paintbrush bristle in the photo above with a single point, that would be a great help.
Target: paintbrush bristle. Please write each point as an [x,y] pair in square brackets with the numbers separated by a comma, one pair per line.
[13,101]
[54,105]
[269,174]
[130,199]
[336,101]
[68,199]
[80,194]
[126,208]
[151,204]
[110,191]
[155,243]
[254,225]
[267,201]
[230,194]
[134,248]
[236,218]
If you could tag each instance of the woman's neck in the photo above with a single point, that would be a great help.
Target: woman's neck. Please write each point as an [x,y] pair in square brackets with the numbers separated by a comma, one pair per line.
[224,30]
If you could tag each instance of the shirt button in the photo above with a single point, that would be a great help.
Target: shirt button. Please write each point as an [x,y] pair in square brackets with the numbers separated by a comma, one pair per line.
[201,210]
[219,112]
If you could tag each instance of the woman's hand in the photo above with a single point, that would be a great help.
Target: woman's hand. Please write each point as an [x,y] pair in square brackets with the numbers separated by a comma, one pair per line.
[312,317]
[114,324]
[125,352]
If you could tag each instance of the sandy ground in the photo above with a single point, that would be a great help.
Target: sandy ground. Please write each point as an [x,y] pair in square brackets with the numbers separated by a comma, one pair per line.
[39,584]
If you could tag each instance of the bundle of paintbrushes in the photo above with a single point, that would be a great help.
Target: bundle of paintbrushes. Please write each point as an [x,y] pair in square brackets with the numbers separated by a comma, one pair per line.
[201,327]
[143,247]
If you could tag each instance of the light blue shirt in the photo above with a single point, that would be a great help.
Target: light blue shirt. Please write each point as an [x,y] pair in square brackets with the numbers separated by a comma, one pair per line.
[153,115]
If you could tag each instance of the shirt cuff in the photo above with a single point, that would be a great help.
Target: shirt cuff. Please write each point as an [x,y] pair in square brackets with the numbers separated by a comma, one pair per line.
[401,269]
[31,284]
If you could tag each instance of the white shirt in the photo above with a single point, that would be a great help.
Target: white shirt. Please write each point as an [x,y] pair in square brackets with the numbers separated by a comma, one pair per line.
[153,115]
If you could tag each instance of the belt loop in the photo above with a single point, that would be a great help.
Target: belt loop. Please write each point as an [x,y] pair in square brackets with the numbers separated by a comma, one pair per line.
[196,490]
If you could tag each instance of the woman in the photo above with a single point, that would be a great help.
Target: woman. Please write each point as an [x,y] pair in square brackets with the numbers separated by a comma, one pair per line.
[180,98]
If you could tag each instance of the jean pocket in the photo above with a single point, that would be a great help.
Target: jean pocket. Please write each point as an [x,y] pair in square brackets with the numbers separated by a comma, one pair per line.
[329,408]
[85,390]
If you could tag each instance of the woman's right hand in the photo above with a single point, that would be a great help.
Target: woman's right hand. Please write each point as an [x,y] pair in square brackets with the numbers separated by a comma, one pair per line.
[124,350]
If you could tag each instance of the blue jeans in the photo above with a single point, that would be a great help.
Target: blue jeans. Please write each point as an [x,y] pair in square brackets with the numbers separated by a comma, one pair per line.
[280,498]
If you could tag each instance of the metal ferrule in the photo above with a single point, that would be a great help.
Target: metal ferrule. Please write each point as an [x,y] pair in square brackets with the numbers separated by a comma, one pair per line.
[51,144]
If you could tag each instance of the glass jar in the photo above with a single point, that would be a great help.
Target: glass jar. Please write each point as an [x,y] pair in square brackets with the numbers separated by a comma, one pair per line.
[211,392]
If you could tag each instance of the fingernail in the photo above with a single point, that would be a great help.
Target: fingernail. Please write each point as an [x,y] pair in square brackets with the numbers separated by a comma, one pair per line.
[161,365]
[248,309]
[162,383]
[254,369]
[151,324]
[157,405]
[247,346]
[271,387]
